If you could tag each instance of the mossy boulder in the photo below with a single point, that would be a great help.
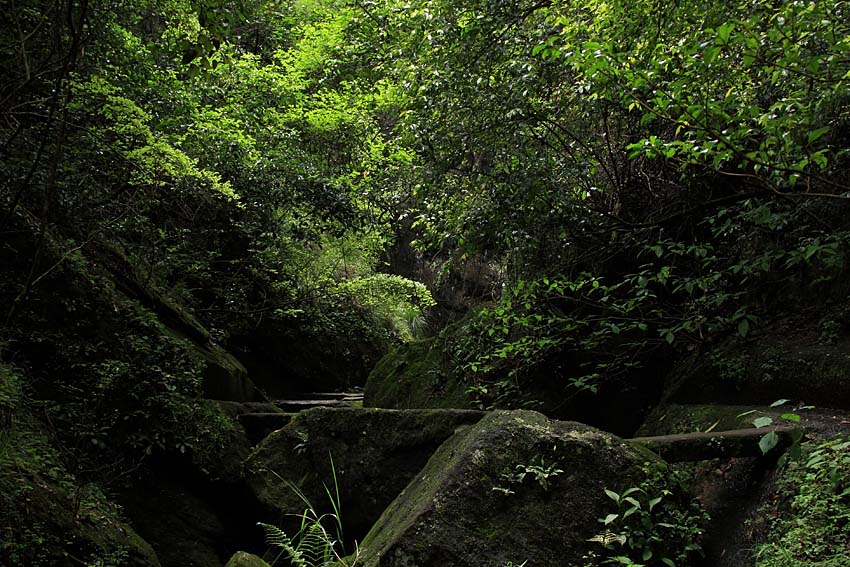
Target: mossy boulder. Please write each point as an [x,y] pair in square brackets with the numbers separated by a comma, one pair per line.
[416,375]
[516,487]
[375,453]
[224,377]
[243,559]
[421,374]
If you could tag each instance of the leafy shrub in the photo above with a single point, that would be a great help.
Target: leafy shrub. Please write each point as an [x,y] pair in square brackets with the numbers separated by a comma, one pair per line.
[401,303]
[656,523]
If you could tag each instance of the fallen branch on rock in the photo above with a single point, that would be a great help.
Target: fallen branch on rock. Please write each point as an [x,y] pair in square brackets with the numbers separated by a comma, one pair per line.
[716,444]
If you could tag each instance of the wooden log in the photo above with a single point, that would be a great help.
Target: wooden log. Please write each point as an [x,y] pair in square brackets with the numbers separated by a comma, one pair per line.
[690,447]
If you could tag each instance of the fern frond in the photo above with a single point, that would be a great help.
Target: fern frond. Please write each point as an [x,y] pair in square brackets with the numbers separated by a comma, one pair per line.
[276,537]
[315,545]
[608,537]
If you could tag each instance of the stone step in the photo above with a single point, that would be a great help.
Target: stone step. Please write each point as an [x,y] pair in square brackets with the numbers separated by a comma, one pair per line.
[353,396]
[299,405]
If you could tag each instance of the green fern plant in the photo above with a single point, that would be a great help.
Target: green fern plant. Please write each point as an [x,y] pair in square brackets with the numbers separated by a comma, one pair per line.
[313,545]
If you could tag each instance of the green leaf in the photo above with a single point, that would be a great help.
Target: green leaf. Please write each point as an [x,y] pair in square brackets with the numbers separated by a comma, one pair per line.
[613,495]
[610,518]
[791,417]
[632,501]
[743,327]
[765,421]
[724,31]
[768,442]
[778,403]
[816,134]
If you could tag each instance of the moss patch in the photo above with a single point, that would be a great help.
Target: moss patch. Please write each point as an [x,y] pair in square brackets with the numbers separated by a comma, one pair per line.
[375,453]
[675,419]
[417,375]
[242,559]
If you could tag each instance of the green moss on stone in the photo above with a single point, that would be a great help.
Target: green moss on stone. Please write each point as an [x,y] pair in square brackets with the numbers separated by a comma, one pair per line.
[454,512]
[375,453]
[418,374]
[243,559]
[674,419]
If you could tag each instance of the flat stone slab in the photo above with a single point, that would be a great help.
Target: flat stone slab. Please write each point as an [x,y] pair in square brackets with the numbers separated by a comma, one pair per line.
[300,405]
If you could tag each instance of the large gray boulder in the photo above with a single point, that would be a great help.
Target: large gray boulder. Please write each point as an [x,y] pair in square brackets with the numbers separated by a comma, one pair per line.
[375,453]
[514,488]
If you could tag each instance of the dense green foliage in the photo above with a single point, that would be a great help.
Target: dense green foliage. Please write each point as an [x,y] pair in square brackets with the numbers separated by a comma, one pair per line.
[228,162]
[175,174]
[642,174]
[814,531]
[630,184]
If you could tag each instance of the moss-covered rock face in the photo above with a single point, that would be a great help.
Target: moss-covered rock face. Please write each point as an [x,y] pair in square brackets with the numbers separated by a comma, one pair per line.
[806,523]
[674,419]
[47,517]
[794,358]
[515,487]
[375,453]
[121,369]
[242,559]
[224,377]
[416,375]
